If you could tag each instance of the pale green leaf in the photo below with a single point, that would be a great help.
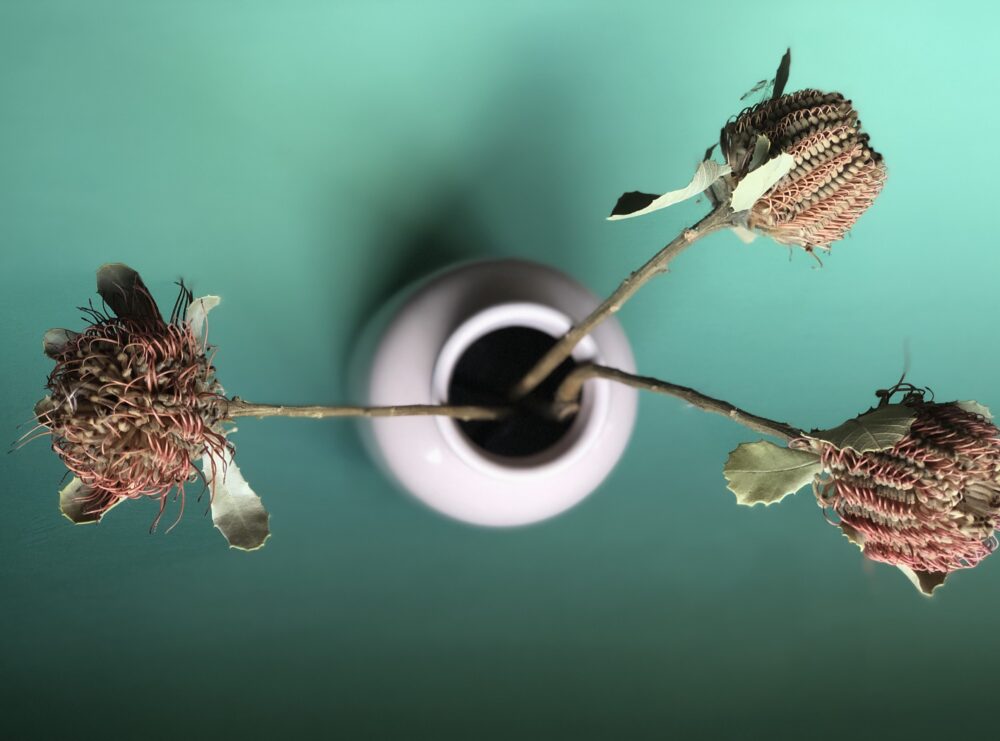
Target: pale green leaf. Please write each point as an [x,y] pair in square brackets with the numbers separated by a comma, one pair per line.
[925,581]
[236,510]
[74,499]
[975,408]
[707,173]
[879,429]
[765,473]
[197,314]
[760,181]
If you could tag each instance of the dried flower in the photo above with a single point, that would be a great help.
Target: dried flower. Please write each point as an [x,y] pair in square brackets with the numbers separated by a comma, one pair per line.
[798,169]
[930,504]
[134,403]
[133,398]
[835,176]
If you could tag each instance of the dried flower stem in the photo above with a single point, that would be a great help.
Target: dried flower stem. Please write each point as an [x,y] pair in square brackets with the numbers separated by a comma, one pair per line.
[236,407]
[720,218]
[568,392]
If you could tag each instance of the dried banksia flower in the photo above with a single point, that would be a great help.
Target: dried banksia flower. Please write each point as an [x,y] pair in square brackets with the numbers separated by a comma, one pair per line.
[132,399]
[797,168]
[914,484]
[930,504]
[835,175]
[133,403]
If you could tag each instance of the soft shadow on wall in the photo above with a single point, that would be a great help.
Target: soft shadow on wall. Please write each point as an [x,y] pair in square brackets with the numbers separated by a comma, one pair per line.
[504,190]
[499,199]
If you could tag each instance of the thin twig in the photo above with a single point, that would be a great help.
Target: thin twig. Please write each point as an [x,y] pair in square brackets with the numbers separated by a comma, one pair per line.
[238,408]
[720,218]
[569,391]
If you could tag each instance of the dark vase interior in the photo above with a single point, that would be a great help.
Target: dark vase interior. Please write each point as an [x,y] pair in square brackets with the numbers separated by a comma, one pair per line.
[485,373]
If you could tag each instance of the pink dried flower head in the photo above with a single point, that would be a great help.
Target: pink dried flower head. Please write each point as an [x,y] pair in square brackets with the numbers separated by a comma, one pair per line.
[133,399]
[931,503]
[836,175]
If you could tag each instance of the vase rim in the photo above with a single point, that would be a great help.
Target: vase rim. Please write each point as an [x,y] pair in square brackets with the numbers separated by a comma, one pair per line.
[430,456]
[574,443]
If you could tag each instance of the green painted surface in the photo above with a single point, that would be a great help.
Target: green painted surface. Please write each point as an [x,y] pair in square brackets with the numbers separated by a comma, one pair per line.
[304,159]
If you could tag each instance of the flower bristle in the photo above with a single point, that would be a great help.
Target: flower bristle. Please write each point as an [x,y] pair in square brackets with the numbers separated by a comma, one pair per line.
[930,503]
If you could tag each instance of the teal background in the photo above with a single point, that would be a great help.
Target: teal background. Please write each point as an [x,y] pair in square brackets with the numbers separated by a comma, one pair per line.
[305,159]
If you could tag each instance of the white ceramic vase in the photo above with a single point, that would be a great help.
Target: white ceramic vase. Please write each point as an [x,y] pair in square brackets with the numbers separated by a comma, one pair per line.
[412,354]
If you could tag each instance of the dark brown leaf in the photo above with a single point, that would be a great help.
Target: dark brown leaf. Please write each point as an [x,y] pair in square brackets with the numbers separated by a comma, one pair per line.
[124,292]
[781,76]
[631,202]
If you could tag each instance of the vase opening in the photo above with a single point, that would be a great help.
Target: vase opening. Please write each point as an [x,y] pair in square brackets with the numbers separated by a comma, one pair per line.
[466,336]
[483,376]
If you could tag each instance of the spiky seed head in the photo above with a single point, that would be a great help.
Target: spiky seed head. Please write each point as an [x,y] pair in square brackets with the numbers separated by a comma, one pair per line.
[931,503]
[133,398]
[836,175]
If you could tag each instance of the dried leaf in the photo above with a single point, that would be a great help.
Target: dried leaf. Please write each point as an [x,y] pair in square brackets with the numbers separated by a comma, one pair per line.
[765,473]
[925,581]
[632,201]
[760,181]
[975,408]
[123,290]
[55,339]
[853,535]
[638,204]
[236,510]
[77,503]
[197,314]
[781,76]
[879,429]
